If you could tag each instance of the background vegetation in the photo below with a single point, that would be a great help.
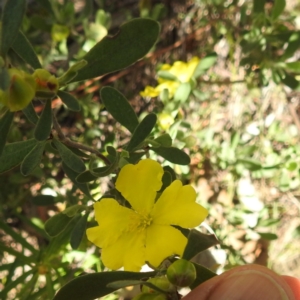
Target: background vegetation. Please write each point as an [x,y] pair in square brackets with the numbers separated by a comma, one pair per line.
[237,118]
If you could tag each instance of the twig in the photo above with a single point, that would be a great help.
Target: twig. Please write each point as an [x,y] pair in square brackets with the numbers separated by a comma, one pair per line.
[76,145]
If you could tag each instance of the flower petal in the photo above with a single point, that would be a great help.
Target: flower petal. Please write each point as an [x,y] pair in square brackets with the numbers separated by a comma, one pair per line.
[163,241]
[177,206]
[139,184]
[127,252]
[113,220]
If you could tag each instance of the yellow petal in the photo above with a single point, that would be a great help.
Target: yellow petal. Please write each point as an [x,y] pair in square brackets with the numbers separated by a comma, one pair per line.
[177,206]
[128,252]
[163,241]
[139,184]
[113,220]
[149,92]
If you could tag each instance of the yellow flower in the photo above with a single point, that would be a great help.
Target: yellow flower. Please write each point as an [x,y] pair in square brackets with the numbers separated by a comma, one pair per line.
[181,70]
[130,237]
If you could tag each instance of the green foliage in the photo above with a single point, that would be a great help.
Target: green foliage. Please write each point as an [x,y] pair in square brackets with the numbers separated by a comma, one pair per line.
[69,150]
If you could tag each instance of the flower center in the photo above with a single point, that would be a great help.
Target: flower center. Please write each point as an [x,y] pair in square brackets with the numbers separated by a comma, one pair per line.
[139,221]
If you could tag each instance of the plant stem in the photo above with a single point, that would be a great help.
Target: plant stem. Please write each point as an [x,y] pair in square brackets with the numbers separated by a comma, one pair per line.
[76,145]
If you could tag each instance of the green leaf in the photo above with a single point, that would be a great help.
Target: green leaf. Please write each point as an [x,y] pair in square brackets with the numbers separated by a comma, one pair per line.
[132,42]
[44,124]
[142,131]
[198,242]
[278,8]
[43,200]
[4,78]
[293,66]
[268,236]
[250,164]
[87,176]
[292,47]
[118,106]
[78,232]
[73,175]
[182,93]
[205,63]
[69,158]
[30,113]
[56,224]
[12,17]
[203,274]
[172,154]
[291,81]
[24,49]
[92,286]
[164,140]
[166,180]
[71,211]
[69,100]
[5,123]
[32,159]
[259,6]
[14,153]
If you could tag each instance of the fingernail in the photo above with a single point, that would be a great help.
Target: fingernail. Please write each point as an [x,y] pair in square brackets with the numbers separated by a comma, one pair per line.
[249,285]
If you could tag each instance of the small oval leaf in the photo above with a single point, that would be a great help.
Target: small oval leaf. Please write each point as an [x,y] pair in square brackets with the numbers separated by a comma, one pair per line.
[119,107]
[92,286]
[55,225]
[173,155]
[12,16]
[142,131]
[44,124]
[132,42]
[69,100]
[198,242]
[30,113]
[78,232]
[69,158]
[73,175]
[14,153]
[24,49]
[5,123]
[32,159]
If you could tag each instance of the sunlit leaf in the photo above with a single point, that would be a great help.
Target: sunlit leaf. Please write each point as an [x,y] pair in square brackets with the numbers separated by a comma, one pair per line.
[278,8]
[173,155]
[142,131]
[132,42]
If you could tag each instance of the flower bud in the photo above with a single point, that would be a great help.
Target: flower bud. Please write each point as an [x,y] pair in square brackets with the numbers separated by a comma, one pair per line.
[162,283]
[181,273]
[45,82]
[20,91]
